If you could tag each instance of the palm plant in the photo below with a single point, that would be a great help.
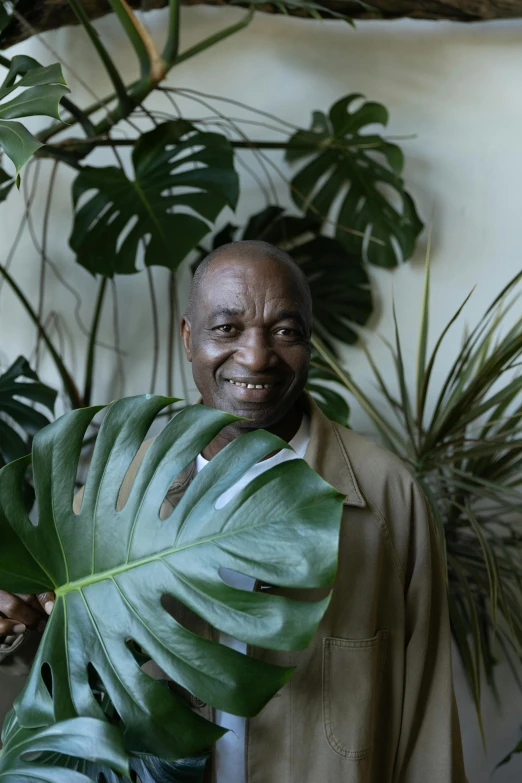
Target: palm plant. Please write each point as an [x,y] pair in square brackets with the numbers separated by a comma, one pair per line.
[465,450]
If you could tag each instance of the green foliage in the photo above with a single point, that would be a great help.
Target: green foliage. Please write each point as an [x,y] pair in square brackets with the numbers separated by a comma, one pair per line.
[22,418]
[123,213]
[109,581]
[6,183]
[366,223]
[42,90]
[333,405]
[27,754]
[467,455]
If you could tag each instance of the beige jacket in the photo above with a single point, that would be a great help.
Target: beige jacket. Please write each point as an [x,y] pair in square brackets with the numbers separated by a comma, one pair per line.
[372,698]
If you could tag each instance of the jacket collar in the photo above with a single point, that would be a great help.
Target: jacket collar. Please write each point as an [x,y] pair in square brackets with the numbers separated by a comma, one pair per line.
[327,455]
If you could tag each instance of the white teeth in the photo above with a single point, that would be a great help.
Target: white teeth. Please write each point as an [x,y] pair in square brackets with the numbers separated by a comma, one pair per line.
[251,385]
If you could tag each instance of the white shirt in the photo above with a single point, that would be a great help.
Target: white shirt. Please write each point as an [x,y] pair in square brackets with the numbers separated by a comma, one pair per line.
[230,754]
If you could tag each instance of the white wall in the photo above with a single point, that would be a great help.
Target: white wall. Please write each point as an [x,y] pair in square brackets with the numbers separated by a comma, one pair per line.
[456,88]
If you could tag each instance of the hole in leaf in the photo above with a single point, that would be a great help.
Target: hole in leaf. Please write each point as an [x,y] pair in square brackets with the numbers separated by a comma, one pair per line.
[236,579]
[126,231]
[47,677]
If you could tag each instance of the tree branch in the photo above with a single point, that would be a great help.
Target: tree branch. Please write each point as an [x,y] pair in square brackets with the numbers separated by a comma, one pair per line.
[52,14]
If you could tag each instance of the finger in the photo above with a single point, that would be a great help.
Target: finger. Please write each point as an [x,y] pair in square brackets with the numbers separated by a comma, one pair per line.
[15,609]
[46,601]
[8,627]
[32,600]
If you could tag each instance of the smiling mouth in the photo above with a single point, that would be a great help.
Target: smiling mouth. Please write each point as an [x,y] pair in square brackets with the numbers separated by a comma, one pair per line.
[246,385]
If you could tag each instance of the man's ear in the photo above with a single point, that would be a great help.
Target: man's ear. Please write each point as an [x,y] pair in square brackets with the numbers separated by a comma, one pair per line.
[185,336]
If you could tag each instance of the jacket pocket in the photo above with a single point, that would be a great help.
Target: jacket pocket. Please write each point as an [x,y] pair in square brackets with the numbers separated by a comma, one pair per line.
[351,683]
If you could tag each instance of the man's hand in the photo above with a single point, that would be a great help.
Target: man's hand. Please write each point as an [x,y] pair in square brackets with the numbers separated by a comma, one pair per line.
[18,612]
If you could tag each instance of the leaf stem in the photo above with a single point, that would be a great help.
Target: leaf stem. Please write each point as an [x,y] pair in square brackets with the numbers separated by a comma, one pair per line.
[170,51]
[104,55]
[89,367]
[69,385]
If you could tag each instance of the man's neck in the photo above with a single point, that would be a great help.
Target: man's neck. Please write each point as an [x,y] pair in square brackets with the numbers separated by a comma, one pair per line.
[285,429]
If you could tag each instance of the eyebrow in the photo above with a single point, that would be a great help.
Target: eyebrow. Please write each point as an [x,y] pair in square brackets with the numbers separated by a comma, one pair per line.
[295,314]
[226,311]
[281,316]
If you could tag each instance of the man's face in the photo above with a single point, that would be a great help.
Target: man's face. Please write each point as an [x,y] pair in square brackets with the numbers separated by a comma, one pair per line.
[248,339]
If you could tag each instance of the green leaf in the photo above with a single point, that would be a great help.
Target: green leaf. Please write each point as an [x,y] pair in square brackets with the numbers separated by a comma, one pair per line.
[25,752]
[467,457]
[6,183]
[281,529]
[42,88]
[338,281]
[362,167]
[183,179]
[330,402]
[27,418]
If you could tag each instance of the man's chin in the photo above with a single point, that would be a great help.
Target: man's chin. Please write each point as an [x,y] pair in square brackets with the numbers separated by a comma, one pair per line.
[257,415]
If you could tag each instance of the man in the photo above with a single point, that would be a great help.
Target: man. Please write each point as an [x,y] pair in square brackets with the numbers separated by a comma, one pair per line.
[372,699]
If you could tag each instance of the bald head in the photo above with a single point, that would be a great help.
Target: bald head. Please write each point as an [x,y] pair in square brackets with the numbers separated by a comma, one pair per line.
[247,333]
[251,252]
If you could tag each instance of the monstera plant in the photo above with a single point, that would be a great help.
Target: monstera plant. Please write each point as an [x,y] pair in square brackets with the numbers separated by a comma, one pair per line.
[110,564]
[39,91]
[130,219]
[45,754]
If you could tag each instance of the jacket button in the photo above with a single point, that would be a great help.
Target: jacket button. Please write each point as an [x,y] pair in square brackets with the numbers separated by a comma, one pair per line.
[198,703]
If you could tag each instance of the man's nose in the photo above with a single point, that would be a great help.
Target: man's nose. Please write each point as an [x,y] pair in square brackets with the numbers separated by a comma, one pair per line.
[256,353]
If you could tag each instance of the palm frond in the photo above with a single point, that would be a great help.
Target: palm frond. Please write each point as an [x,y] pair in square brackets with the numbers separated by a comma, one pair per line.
[466,453]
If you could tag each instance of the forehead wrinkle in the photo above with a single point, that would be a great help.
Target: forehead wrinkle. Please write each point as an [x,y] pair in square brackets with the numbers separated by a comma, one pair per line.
[243,285]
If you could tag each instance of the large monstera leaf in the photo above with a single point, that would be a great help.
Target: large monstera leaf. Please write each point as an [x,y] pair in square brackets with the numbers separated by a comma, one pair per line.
[376,219]
[43,754]
[16,416]
[183,178]
[85,749]
[41,89]
[110,566]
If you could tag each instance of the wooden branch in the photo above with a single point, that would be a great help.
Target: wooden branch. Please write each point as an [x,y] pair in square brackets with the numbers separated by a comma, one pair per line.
[52,14]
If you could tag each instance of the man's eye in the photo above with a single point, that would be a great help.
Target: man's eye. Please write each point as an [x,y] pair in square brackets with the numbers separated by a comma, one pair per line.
[226,329]
[285,331]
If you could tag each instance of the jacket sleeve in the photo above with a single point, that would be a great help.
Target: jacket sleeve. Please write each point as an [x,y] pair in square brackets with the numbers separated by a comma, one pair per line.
[430,746]
[17,653]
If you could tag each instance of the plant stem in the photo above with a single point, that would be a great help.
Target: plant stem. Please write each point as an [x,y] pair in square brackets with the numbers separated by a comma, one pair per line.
[170,52]
[43,261]
[172,335]
[89,367]
[155,329]
[69,385]
[216,38]
[138,91]
[105,57]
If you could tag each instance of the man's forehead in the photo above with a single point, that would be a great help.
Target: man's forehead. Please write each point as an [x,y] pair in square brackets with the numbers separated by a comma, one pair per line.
[237,276]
